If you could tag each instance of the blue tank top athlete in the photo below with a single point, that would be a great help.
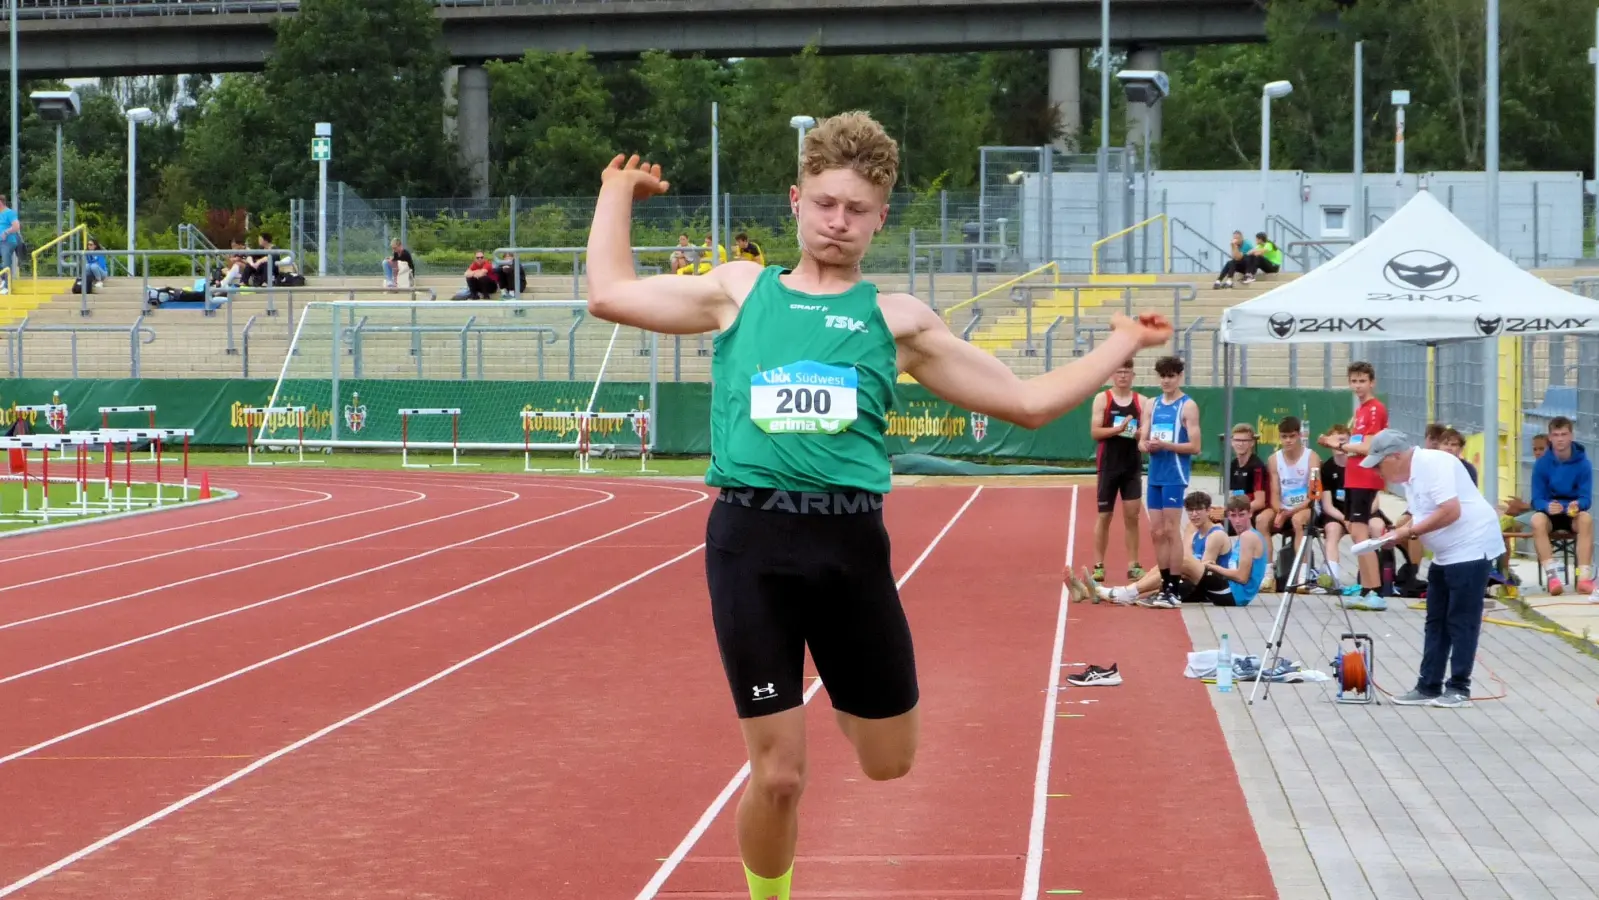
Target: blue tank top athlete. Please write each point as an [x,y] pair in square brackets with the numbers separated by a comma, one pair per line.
[1171,438]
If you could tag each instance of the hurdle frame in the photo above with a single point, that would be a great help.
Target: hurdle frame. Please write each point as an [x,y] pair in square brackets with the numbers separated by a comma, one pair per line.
[640,418]
[106,412]
[455,438]
[250,443]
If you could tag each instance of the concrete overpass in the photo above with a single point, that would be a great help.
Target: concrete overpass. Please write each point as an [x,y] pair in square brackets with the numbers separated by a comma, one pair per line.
[83,38]
[95,38]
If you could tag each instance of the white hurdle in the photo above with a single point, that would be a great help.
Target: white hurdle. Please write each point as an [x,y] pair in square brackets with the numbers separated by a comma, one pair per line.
[41,442]
[640,420]
[106,412]
[455,438]
[256,415]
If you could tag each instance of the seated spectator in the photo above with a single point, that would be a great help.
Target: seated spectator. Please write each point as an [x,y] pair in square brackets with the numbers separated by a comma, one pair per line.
[271,268]
[1562,495]
[1236,261]
[482,282]
[702,266]
[96,265]
[399,270]
[682,259]
[1263,257]
[512,277]
[748,249]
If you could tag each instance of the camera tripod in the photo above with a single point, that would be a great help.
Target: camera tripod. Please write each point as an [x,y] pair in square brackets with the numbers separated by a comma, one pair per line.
[1353,671]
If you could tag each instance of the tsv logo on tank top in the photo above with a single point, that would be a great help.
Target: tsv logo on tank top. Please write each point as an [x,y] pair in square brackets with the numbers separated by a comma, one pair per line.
[804,398]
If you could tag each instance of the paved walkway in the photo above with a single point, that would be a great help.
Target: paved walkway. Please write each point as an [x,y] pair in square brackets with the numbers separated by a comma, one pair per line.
[1498,800]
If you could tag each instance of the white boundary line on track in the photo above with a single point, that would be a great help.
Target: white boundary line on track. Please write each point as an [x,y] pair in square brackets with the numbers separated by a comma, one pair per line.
[215,786]
[144,534]
[419,496]
[1046,740]
[364,625]
[218,496]
[4,626]
[681,851]
[295,593]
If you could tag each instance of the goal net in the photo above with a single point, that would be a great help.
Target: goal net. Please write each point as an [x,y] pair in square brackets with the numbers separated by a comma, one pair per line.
[429,376]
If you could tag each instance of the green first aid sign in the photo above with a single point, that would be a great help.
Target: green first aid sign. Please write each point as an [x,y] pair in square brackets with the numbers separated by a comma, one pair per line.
[321,149]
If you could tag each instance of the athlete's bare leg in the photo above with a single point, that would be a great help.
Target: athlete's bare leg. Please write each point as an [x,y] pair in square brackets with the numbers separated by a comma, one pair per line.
[768,812]
[886,748]
[1102,533]
[1132,511]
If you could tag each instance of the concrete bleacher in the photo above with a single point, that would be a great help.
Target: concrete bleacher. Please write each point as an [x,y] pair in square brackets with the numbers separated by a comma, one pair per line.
[188,343]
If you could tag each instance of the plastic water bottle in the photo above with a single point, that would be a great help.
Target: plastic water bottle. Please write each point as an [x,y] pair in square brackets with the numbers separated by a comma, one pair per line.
[1224,667]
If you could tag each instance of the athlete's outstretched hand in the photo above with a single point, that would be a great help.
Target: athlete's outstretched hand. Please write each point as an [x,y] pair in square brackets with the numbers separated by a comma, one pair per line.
[1151,329]
[642,180]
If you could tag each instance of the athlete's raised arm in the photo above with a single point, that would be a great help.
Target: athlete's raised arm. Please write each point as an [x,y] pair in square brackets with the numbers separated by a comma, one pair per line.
[668,304]
[972,379]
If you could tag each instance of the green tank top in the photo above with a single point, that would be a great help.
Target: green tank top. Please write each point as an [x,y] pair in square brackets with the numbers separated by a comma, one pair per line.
[801,389]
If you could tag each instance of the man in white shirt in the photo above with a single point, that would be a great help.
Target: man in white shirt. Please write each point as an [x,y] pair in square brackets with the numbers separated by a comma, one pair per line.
[1450,516]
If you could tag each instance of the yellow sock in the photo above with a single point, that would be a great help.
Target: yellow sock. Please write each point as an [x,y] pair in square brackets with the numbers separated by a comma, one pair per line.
[769,888]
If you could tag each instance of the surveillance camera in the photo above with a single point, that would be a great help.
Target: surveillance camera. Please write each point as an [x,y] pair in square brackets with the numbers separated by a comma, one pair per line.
[56,106]
[1144,86]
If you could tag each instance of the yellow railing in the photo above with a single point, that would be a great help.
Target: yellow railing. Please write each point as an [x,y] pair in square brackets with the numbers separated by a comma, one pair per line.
[81,229]
[1046,267]
[1165,232]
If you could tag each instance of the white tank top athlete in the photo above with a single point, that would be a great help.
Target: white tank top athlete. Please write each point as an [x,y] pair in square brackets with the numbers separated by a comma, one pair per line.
[1293,478]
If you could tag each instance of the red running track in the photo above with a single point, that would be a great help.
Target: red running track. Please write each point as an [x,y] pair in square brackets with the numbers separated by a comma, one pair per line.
[508,688]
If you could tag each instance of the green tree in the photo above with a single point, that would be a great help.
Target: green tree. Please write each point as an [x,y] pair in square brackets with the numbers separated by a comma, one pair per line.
[374,69]
[552,122]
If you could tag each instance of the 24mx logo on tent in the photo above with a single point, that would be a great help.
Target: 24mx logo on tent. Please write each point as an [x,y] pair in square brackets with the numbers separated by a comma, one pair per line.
[1488,326]
[1285,325]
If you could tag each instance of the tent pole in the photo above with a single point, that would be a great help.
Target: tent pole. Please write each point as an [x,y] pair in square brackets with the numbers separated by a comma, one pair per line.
[1489,477]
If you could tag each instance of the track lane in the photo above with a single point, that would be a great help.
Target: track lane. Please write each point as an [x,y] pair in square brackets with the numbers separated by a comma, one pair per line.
[253,713]
[518,776]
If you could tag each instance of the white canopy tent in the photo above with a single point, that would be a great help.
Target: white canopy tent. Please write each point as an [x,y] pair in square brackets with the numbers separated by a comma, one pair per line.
[1423,276]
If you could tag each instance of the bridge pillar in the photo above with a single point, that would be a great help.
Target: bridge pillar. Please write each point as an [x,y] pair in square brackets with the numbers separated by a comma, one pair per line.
[472,126]
[1143,58]
[1066,95]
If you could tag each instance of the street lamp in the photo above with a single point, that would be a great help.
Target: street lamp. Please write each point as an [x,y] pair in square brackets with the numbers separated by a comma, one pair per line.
[1400,100]
[1274,90]
[58,107]
[801,124]
[136,117]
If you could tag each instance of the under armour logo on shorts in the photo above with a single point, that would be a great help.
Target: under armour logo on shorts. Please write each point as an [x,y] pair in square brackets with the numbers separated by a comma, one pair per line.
[761,693]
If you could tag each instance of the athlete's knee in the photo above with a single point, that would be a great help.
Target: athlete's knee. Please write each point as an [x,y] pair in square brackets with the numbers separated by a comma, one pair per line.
[776,747]
[889,768]
[886,748]
[779,784]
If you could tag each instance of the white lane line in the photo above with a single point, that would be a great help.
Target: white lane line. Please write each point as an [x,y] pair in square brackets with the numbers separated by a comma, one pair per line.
[1046,740]
[76,732]
[141,535]
[416,497]
[215,786]
[260,562]
[295,593]
[681,852]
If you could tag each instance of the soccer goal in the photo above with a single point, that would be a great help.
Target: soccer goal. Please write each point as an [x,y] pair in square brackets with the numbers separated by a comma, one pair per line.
[447,378]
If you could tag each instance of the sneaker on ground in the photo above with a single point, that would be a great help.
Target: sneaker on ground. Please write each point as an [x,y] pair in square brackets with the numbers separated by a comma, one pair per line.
[1452,698]
[1094,676]
[1414,698]
[1099,571]
[1135,571]
[1556,588]
[1584,585]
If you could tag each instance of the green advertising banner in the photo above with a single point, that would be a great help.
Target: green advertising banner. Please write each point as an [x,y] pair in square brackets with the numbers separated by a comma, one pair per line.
[367,409]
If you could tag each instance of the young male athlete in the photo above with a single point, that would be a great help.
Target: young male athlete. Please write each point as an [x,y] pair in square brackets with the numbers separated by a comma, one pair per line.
[1246,475]
[1292,502]
[796,552]
[1362,485]
[1170,435]
[1332,516]
[1196,583]
[1114,423]
[1244,566]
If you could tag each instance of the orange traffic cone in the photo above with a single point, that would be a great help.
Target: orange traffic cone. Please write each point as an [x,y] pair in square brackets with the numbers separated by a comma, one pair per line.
[205,485]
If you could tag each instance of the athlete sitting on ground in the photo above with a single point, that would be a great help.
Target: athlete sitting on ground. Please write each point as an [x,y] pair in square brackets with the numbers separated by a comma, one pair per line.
[1244,565]
[803,377]
[1207,543]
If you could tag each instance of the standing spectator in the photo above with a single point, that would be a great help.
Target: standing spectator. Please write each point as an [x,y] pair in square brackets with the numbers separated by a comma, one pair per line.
[399,270]
[482,282]
[1461,529]
[10,239]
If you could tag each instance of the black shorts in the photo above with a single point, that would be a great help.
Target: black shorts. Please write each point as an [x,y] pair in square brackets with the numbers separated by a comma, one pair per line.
[1124,481]
[790,570]
[1361,505]
[1210,589]
[1558,522]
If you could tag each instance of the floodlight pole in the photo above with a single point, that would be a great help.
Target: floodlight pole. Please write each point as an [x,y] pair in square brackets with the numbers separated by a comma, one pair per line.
[16,118]
[1102,165]
[1490,375]
[1265,152]
[1359,206]
[325,130]
[1593,60]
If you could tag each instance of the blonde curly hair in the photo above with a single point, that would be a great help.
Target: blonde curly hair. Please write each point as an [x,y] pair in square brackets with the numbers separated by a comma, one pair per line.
[854,141]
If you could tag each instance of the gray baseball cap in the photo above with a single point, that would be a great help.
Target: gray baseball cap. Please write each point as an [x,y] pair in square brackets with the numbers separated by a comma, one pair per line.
[1388,442]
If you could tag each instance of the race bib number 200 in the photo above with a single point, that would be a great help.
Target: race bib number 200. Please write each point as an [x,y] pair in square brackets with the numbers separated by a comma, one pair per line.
[804,398]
